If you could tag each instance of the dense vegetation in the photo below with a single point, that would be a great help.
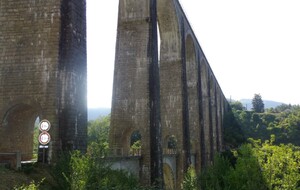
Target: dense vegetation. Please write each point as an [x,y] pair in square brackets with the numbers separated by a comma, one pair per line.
[282,121]
[89,171]
[262,152]
[77,171]
[268,159]
[255,165]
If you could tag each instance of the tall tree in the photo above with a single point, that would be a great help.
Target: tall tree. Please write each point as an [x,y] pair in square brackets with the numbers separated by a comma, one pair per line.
[258,104]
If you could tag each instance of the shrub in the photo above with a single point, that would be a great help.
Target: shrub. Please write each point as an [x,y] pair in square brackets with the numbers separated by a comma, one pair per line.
[246,174]
[213,177]
[190,180]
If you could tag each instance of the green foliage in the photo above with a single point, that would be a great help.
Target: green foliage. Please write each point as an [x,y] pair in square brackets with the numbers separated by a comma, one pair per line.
[265,163]
[98,132]
[135,142]
[83,172]
[89,171]
[135,136]
[259,166]
[237,105]
[136,147]
[62,170]
[258,104]
[246,174]
[285,125]
[190,180]
[36,132]
[31,186]
[172,142]
[118,180]
[233,134]
[214,177]
[283,108]
[80,168]
[279,164]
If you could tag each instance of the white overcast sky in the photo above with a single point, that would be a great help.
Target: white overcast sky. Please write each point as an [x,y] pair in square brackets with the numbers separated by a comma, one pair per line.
[253,46]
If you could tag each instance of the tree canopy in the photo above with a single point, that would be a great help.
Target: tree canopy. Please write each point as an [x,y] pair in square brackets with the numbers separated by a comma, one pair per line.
[258,104]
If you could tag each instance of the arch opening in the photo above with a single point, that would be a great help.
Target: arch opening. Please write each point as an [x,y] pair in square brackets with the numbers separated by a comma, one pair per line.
[171,145]
[172,142]
[158,42]
[169,179]
[192,82]
[20,132]
[135,143]
[207,140]
[35,144]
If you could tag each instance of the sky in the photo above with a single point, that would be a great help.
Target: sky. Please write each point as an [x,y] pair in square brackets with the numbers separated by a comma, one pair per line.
[252,46]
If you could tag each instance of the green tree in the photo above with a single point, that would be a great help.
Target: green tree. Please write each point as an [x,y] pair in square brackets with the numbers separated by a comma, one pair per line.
[233,134]
[237,105]
[279,164]
[98,132]
[190,180]
[283,107]
[245,174]
[258,104]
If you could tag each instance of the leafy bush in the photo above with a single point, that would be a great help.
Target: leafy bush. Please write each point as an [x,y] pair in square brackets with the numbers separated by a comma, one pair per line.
[258,166]
[83,172]
[244,175]
[279,164]
[214,177]
[62,169]
[89,171]
[190,180]
[98,132]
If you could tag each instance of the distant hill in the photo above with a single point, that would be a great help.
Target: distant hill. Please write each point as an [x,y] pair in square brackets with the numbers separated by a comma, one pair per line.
[268,103]
[94,113]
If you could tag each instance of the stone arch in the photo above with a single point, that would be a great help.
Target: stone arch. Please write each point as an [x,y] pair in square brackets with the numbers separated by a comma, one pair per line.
[170,67]
[191,66]
[170,144]
[169,178]
[135,143]
[192,93]
[135,136]
[170,47]
[17,128]
[171,73]
[127,139]
[183,84]
[207,145]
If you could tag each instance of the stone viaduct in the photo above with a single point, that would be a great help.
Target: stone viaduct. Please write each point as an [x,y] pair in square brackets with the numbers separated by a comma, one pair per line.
[42,74]
[166,94]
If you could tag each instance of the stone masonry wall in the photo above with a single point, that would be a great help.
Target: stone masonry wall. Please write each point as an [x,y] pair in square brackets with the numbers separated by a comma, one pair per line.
[191,101]
[35,49]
